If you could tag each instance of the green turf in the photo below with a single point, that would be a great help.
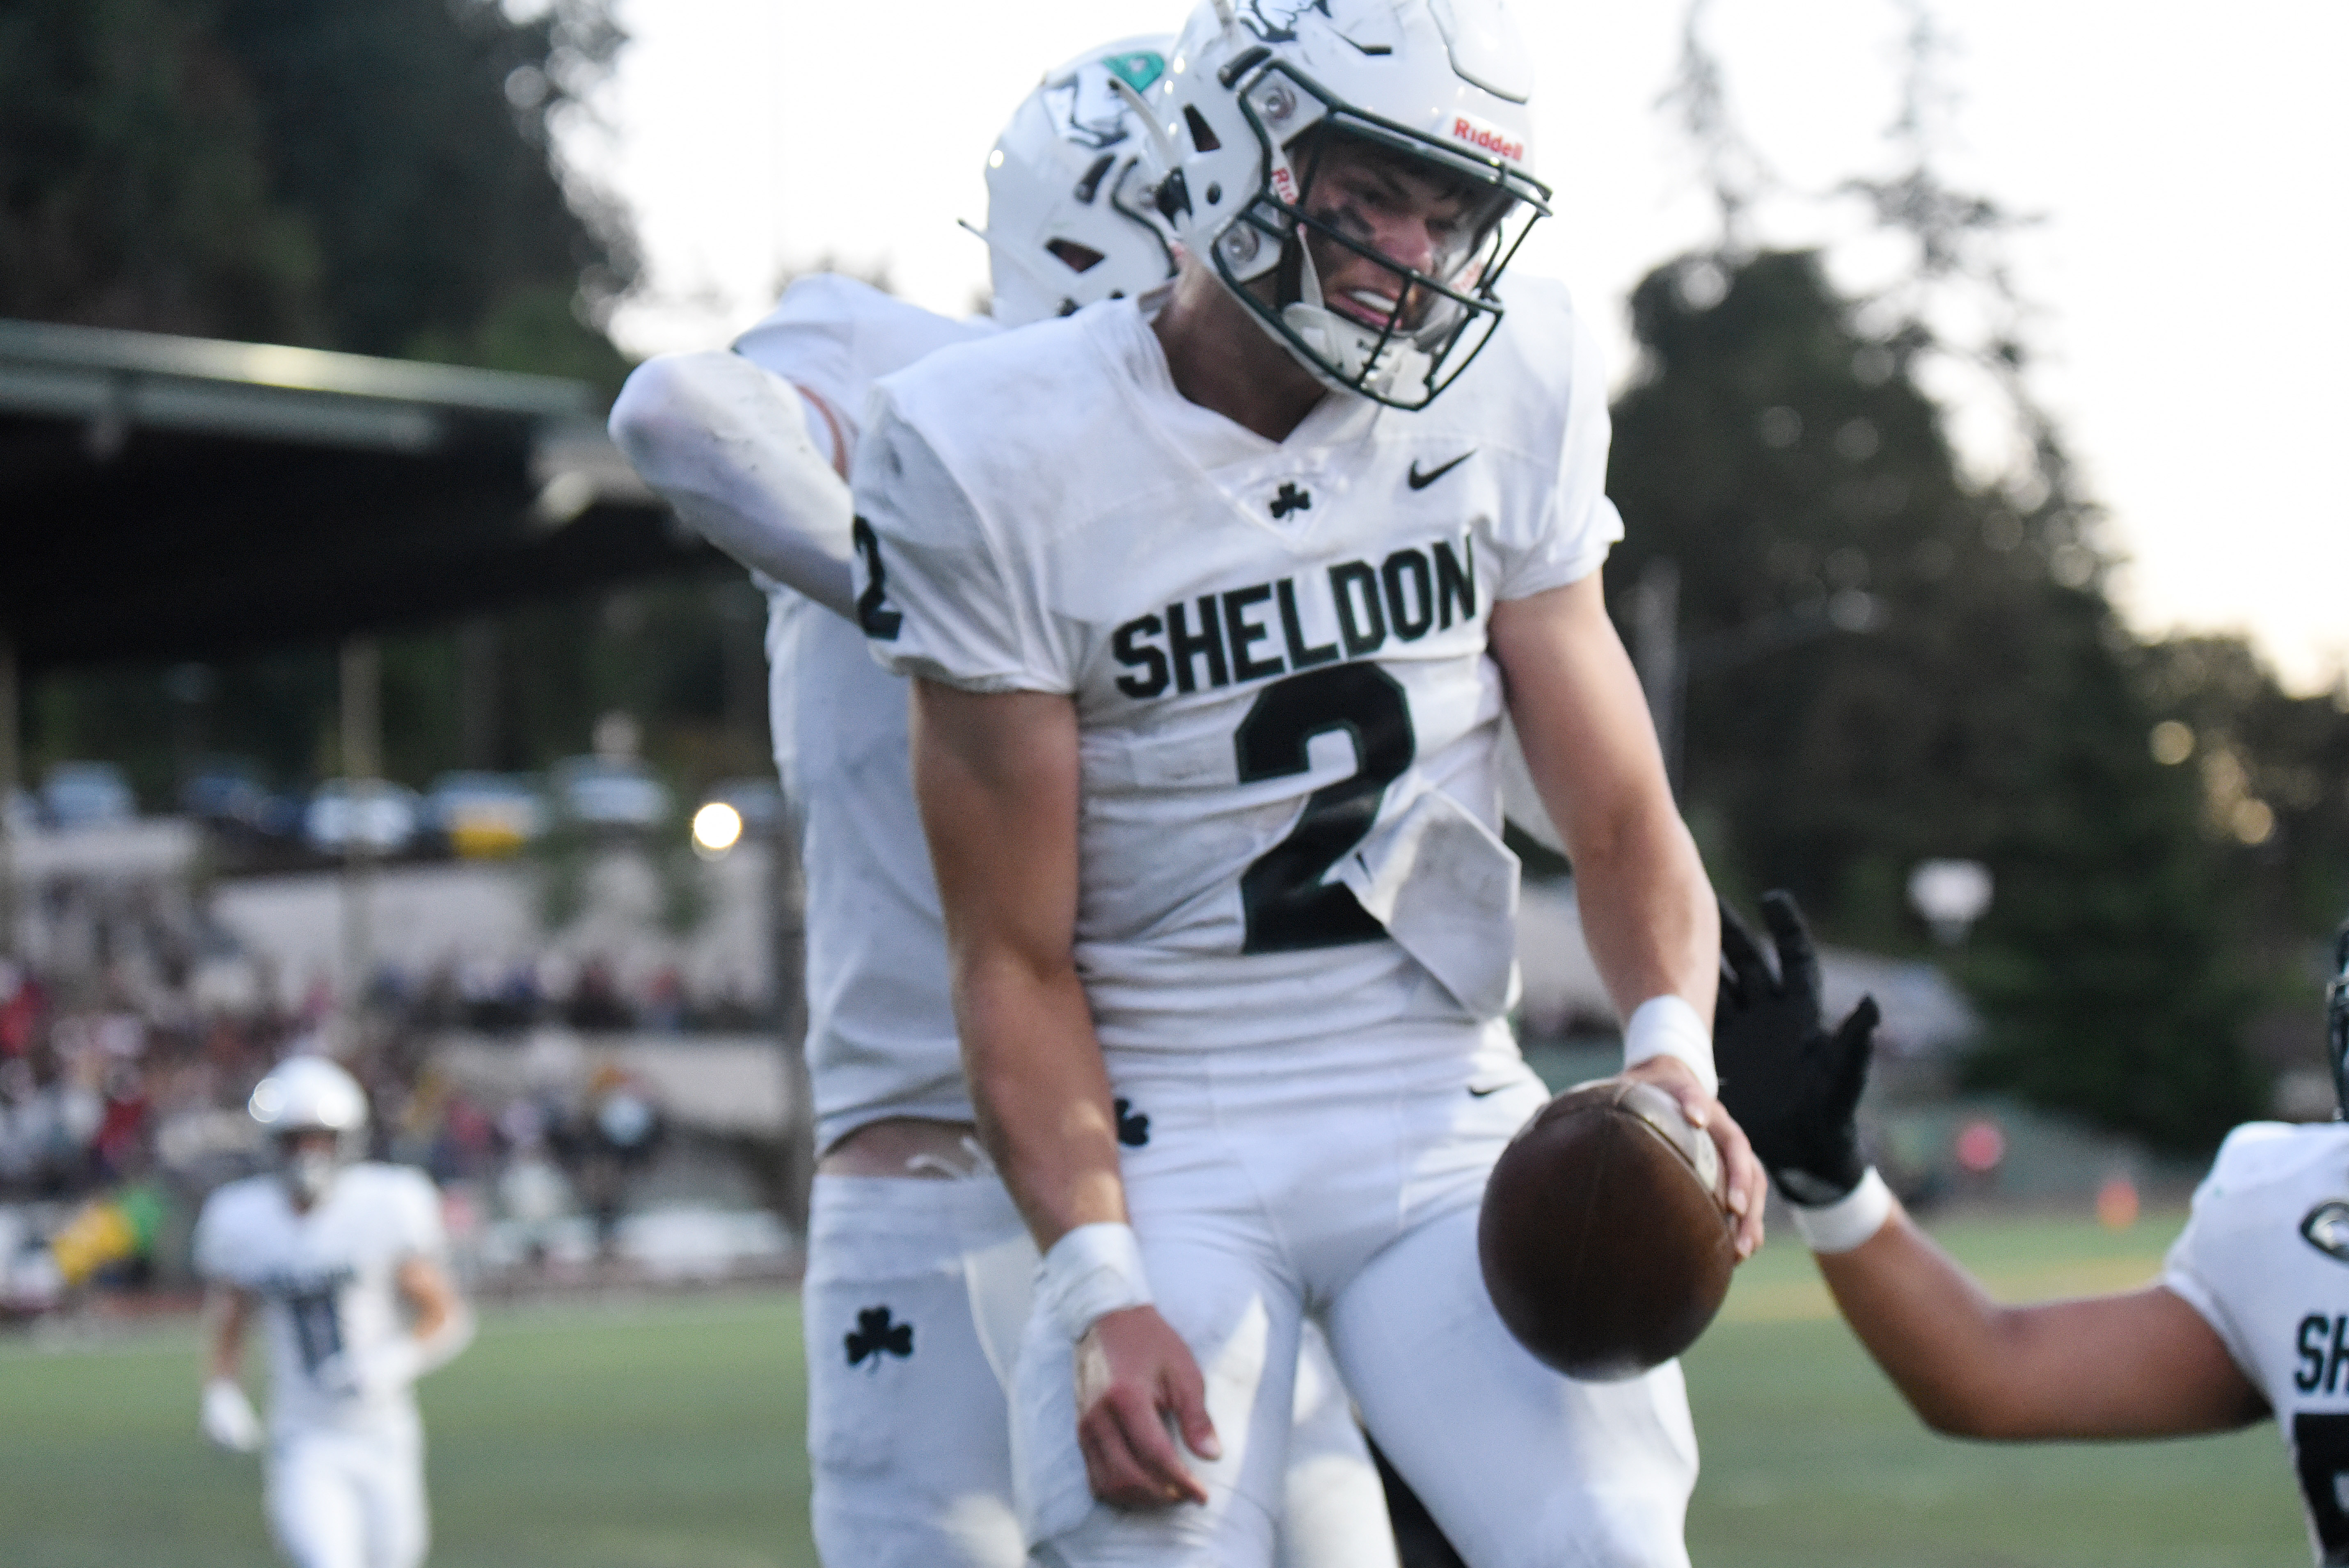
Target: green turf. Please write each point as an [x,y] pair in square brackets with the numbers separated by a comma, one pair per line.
[661,1435]
[665,1435]
[1811,1459]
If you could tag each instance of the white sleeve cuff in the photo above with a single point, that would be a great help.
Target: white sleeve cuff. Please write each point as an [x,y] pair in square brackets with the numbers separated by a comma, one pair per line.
[1090,1272]
[1667,1025]
[1848,1221]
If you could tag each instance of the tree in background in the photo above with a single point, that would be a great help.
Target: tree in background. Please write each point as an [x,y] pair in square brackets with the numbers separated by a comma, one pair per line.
[1779,456]
[378,178]
[135,190]
[414,137]
[372,178]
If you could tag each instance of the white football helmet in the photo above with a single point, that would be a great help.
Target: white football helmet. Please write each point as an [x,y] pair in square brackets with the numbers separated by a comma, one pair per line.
[1069,219]
[311,1094]
[1255,91]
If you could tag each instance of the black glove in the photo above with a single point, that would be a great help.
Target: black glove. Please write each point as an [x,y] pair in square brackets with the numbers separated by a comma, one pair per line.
[1794,1090]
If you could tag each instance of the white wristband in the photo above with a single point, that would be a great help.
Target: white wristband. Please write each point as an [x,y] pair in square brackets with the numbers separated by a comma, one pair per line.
[1090,1272]
[1667,1025]
[1848,1221]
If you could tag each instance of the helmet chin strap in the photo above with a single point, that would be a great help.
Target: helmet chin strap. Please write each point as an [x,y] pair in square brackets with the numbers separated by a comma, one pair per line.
[1344,341]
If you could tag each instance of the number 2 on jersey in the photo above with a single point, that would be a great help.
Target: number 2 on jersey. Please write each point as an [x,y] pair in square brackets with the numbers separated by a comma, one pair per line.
[1286,905]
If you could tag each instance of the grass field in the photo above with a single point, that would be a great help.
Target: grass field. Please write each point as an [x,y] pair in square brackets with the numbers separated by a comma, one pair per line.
[665,1435]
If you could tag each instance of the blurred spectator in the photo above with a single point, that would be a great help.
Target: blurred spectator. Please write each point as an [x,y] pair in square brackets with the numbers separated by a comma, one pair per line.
[612,1141]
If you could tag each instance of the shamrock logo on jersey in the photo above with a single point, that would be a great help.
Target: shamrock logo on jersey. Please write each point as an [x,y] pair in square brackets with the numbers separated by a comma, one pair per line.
[1133,1127]
[1290,499]
[2327,1230]
[876,1336]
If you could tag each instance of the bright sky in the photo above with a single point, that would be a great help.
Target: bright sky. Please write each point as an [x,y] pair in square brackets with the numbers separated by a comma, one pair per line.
[2188,166]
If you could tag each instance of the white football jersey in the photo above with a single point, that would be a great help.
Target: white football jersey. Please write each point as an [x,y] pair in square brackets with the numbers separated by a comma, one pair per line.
[325,1280]
[2265,1260]
[880,1036]
[1276,650]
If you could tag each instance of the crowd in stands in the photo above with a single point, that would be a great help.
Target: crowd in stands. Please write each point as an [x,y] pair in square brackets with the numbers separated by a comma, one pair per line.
[122,1096]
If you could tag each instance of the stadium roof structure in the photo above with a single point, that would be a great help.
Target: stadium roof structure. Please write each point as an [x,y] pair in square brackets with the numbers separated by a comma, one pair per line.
[176,498]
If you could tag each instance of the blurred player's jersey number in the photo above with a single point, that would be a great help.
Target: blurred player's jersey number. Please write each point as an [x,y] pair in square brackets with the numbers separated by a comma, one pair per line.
[317,1326]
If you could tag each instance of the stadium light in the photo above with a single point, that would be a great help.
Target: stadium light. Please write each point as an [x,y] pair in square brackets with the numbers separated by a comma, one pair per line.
[1951,894]
[716,828]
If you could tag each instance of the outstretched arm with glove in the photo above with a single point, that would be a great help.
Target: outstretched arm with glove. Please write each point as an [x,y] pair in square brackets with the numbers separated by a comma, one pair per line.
[2139,1363]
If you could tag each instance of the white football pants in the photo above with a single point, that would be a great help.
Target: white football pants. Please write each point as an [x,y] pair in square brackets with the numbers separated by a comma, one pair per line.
[343,1499]
[1344,1185]
[916,1297]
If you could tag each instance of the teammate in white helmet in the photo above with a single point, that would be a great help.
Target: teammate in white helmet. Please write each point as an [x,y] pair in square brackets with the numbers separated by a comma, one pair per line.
[1213,616]
[919,1268]
[2250,1315]
[343,1260]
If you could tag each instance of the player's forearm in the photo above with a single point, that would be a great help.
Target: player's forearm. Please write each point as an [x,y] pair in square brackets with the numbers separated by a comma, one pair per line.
[1040,1092]
[996,775]
[1647,911]
[1933,1328]
[441,1326]
[724,442]
[228,1311]
[2141,1364]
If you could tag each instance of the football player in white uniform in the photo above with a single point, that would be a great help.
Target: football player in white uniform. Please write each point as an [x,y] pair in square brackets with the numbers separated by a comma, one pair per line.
[2251,1315]
[918,1268]
[343,1260]
[1213,616]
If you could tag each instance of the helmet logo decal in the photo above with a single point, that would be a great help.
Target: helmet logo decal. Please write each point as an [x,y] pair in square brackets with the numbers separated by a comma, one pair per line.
[1137,70]
[1085,109]
[1486,139]
[1275,21]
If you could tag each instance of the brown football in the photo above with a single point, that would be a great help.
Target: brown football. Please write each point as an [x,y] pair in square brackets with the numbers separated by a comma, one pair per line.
[1605,1236]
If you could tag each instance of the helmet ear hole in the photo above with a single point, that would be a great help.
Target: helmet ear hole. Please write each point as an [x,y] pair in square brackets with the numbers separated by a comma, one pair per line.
[1202,134]
[1077,258]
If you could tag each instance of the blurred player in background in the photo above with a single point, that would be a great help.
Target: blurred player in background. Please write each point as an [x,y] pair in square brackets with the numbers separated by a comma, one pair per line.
[2250,1315]
[919,1269]
[1211,612]
[343,1260]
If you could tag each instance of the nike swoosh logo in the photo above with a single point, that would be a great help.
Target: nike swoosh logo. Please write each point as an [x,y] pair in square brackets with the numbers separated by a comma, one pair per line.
[1418,480]
[1475,1093]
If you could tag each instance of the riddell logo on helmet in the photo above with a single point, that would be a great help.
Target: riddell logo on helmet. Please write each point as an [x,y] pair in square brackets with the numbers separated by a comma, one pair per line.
[1486,139]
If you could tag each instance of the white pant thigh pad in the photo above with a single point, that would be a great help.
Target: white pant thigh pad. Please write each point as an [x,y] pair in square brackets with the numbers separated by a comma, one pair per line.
[347,1499]
[907,1427]
[1521,1468]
